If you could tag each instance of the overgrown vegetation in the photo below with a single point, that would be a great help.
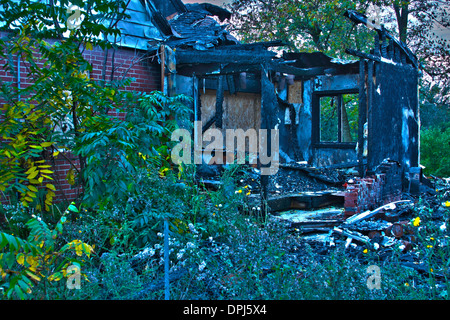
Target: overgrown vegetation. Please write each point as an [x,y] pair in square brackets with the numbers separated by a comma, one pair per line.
[217,251]
[109,243]
[435,151]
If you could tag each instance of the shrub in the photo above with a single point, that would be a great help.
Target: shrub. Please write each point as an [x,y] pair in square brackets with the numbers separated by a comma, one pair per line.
[39,260]
[435,151]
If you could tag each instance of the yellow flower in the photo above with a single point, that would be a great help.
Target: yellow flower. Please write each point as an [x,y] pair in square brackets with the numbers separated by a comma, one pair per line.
[416,222]
[447,204]
[365,250]
[429,246]
[248,193]
[431,270]
[406,284]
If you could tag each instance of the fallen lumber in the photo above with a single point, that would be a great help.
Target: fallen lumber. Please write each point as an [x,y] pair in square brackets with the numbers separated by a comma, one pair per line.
[368,214]
[313,224]
[353,234]
[306,200]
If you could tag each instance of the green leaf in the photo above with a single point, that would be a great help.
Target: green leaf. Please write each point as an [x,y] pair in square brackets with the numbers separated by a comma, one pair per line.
[10,259]
[19,292]
[72,208]
[23,285]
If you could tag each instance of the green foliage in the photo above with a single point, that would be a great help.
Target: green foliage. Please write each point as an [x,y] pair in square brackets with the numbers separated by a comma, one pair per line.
[348,122]
[60,89]
[435,151]
[303,25]
[40,259]
[25,141]
[64,109]
[118,152]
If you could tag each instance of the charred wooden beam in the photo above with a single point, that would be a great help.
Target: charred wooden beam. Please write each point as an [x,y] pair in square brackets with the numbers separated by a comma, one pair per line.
[223,56]
[198,69]
[209,123]
[233,68]
[390,49]
[362,113]
[219,101]
[363,55]
[383,45]
[401,63]
[231,84]
[376,47]
[370,124]
[301,72]
[357,18]
[255,45]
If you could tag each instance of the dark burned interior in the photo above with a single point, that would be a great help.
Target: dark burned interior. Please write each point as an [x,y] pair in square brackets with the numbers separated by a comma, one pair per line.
[354,117]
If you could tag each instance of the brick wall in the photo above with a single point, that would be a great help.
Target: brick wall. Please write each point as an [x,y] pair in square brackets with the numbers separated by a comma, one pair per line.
[126,62]
[368,193]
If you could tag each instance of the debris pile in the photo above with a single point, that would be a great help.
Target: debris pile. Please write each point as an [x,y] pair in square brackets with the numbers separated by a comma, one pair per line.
[384,187]
[384,226]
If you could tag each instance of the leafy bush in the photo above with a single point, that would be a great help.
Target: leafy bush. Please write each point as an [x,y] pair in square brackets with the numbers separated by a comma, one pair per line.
[119,152]
[40,260]
[435,151]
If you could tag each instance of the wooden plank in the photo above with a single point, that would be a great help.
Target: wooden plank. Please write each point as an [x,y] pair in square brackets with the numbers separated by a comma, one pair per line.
[310,200]
[371,134]
[295,92]
[362,113]
[363,55]
[383,45]
[315,224]
[353,234]
[219,101]
[223,56]
[209,123]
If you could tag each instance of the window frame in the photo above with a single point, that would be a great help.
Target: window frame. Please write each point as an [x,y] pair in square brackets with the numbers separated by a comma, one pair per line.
[315,134]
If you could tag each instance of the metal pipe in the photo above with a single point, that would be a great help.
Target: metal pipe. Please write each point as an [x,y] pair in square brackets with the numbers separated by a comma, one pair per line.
[166,261]
[18,75]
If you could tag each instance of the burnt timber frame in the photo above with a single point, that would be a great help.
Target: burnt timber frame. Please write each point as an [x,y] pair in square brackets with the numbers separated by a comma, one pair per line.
[386,80]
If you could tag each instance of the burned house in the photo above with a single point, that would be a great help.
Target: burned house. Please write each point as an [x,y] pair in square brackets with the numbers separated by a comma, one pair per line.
[329,113]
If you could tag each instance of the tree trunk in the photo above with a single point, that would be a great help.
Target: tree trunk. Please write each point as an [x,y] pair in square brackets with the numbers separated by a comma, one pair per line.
[401,13]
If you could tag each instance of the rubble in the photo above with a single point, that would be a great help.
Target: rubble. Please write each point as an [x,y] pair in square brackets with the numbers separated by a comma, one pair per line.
[368,228]
[389,226]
